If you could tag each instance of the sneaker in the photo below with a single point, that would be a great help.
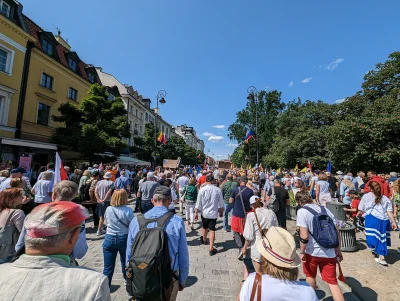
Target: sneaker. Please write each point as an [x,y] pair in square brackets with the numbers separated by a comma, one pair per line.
[381,261]
[213,252]
[99,233]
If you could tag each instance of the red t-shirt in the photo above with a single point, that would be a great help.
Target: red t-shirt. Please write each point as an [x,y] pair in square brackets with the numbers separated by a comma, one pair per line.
[202,180]
[355,204]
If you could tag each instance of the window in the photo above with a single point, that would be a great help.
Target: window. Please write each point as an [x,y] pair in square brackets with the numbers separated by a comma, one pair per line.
[43,114]
[47,47]
[47,81]
[136,112]
[162,128]
[146,116]
[72,66]
[91,77]
[6,59]
[111,97]
[5,8]
[135,126]
[140,130]
[72,93]
[141,116]
[131,110]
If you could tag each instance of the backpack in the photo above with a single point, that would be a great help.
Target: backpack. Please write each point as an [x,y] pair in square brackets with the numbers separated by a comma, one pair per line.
[8,237]
[274,205]
[149,268]
[324,229]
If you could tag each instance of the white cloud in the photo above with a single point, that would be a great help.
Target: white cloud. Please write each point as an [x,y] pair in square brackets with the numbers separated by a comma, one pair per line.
[306,80]
[207,134]
[230,144]
[216,138]
[340,100]
[334,64]
[218,126]
[290,84]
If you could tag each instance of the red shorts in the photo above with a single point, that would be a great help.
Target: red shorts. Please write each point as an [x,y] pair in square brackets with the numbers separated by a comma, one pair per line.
[327,267]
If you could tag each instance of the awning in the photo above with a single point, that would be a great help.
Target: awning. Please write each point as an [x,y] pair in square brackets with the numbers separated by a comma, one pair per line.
[28,143]
[132,161]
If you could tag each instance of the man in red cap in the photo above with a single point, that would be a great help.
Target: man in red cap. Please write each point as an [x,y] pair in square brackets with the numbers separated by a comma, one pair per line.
[44,271]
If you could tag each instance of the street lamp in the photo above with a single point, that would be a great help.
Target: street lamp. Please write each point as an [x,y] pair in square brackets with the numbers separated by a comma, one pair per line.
[160,99]
[253,97]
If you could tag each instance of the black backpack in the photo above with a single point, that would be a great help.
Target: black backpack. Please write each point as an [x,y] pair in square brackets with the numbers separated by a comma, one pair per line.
[149,268]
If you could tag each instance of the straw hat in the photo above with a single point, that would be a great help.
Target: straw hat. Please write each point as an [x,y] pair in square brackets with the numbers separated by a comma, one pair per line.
[279,248]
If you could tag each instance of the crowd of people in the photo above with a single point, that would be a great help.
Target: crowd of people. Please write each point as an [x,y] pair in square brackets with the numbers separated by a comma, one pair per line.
[43,231]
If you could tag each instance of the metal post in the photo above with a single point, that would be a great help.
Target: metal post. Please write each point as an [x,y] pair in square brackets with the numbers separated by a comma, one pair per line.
[160,98]
[253,96]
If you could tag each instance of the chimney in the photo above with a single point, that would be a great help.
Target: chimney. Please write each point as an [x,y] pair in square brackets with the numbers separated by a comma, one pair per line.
[62,41]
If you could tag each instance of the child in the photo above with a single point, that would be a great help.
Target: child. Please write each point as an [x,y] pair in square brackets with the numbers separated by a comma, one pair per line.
[358,221]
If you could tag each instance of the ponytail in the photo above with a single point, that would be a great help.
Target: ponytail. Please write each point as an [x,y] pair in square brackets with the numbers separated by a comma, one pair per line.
[376,189]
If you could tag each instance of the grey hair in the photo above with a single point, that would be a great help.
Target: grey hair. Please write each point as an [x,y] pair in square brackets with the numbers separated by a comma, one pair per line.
[160,198]
[65,190]
[46,243]
[123,173]
[47,175]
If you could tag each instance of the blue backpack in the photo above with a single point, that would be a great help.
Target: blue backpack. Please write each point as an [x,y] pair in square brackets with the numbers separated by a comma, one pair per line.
[324,229]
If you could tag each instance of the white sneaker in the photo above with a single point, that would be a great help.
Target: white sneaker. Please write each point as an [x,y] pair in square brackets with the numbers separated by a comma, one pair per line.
[381,261]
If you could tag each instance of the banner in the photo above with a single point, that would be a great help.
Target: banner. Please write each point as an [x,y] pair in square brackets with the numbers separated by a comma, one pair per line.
[25,163]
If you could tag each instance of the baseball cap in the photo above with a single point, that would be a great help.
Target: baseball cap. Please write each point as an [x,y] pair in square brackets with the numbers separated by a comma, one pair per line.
[209,177]
[163,190]
[253,199]
[54,218]
[17,170]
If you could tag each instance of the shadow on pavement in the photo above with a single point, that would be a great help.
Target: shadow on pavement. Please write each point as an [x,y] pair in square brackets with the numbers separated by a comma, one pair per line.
[114,288]
[320,294]
[392,257]
[225,246]
[362,292]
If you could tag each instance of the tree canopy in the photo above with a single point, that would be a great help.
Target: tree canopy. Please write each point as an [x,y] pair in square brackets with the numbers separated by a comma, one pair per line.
[96,125]
[360,133]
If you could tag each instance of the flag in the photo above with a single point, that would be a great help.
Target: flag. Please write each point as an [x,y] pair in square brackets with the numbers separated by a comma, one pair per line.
[205,164]
[160,137]
[101,167]
[198,168]
[59,173]
[296,167]
[304,169]
[190,170]
[329,166]
[249,135]
[164,139]
[309,165]
[198,156]
[278,171]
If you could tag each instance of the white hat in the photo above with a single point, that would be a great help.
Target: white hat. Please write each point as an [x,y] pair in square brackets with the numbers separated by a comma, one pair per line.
[279,248]
[107,175]
[253,199]
[339,172]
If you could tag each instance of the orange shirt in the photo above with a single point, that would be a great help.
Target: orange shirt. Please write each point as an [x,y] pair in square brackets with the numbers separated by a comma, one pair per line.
[113,172]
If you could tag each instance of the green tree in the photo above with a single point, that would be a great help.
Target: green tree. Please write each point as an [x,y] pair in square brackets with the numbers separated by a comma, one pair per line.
[269,107]
[96,125]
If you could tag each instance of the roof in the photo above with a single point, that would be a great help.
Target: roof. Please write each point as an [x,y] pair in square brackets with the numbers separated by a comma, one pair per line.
[62,52]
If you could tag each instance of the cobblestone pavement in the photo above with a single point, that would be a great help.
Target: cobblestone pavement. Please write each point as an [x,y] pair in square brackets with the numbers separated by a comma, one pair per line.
[211,278]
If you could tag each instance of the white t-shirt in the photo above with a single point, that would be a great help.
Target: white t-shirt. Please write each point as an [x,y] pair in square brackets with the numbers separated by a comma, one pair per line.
[263,176]
[182,181]
[315,180]
[305,219]
[273,289]
[367,205]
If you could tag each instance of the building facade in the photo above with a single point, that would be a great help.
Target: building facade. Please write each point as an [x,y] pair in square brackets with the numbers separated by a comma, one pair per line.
[190,136]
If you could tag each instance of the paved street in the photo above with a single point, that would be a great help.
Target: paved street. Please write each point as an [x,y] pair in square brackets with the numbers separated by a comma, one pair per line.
[210,278]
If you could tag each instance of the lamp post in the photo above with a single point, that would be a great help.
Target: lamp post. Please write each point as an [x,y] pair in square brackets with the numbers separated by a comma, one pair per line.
[253,96]
[160,99]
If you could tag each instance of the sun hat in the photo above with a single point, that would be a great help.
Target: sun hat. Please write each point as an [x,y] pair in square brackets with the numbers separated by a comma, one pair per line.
[54,218]
[253,199]
[279,248]
[107,175]
[339,172]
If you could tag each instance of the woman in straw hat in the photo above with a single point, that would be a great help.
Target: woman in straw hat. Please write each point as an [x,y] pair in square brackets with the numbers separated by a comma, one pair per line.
[279,271]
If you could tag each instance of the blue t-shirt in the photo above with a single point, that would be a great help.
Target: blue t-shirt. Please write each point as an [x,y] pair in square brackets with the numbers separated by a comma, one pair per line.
[113,214]
[122,183]
[247,193]
[42,191]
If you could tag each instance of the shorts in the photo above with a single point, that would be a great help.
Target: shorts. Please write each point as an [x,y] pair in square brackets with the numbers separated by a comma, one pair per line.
[101,208]
[209,223]
[327,267]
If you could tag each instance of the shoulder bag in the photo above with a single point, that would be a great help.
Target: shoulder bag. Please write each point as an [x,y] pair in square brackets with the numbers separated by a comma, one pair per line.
[256,288]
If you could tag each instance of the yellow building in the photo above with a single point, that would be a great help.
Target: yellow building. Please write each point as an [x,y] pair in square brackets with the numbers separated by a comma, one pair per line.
[13,48]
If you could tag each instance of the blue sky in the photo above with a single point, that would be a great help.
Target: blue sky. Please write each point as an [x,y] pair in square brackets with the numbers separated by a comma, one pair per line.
[206,54]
